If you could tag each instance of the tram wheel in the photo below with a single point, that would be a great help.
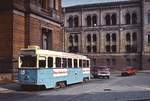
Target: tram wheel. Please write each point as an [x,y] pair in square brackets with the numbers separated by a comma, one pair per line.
[61,84]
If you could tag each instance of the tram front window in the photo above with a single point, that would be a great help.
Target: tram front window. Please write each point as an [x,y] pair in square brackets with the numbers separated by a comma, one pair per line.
[28,61]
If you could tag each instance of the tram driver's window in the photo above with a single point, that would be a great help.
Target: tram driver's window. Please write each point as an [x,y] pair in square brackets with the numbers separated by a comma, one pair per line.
[69,63]
[64,63]
[75,63]
[58,62]
[88,64]
[50,62]
[42,62]
[80,63]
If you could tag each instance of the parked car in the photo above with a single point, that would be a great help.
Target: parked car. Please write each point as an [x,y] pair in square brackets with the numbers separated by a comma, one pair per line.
[129,71]
[100,71]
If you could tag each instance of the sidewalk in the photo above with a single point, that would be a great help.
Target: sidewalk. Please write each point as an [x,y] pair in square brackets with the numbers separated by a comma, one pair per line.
[9,87]
[145,71]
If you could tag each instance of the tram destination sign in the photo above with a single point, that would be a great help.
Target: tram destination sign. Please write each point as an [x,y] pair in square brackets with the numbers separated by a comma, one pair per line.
[27,52]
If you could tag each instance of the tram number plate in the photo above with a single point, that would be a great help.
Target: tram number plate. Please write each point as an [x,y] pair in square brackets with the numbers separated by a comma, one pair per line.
[22,72]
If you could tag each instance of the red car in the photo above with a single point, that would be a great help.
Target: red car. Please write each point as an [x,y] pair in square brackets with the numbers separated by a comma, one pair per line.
[129,71]
[100,71]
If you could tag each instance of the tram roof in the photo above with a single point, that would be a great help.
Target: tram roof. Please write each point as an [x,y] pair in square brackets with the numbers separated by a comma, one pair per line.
[55,53]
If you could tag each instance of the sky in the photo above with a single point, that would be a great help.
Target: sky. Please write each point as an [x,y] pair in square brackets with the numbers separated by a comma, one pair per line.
[66,3]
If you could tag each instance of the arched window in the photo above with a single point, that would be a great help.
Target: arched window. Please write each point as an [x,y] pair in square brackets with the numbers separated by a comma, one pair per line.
[70,21]
[108,37]
[88,48]
[88,20]
[128,37]
[89,38]
[134,18]
[76,21]
[94,38]
[107,19]
[134,36]
[94,20]
[114,37]
[71,39]
[127,18]
[76,38]
[114,19]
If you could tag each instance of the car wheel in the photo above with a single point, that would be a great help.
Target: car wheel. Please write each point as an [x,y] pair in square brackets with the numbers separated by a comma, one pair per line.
[107,77]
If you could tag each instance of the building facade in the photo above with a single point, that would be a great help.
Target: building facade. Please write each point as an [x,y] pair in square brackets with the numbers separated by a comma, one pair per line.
[28,22]
[114,33]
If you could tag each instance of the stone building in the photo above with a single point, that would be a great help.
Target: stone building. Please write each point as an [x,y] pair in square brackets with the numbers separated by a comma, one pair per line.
[28,22]
[113,33]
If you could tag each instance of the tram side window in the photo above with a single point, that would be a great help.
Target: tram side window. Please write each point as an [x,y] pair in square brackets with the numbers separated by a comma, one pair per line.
[88,64]
[64,63]
[58,62]
[28,61]
[75,63]
[69,63]
[84,63]
[42,62]
[80,63]
[50,62]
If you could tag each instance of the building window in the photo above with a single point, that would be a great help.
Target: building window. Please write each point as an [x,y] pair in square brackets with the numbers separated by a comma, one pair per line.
[46,39]
[70,21]
[128,37]
[88,20]
[148,60]
[89,38]
[148,39]
[113,61]
[76,38]
[108,48]
[108,37]
[70,49]
[94,20]
[134,36]
[113,48]
[108,62]
[71,39]
[148,18]
[94,49]
[127,18]
[88,49]
[76,49]
[134,48]
[93,62]
[76,21]
[114,37]
[114,19]
[94,38]
[128,48]
[45,4]
[128,61]
[134,18]
[107,19]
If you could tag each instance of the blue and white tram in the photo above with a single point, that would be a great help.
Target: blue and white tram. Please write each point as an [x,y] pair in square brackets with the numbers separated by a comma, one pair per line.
[51,68]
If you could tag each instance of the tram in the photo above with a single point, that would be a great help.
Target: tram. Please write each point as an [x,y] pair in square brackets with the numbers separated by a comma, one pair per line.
[38,67]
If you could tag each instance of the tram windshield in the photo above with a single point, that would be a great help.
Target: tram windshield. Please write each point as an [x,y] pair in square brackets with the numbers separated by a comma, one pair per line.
[28,61]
